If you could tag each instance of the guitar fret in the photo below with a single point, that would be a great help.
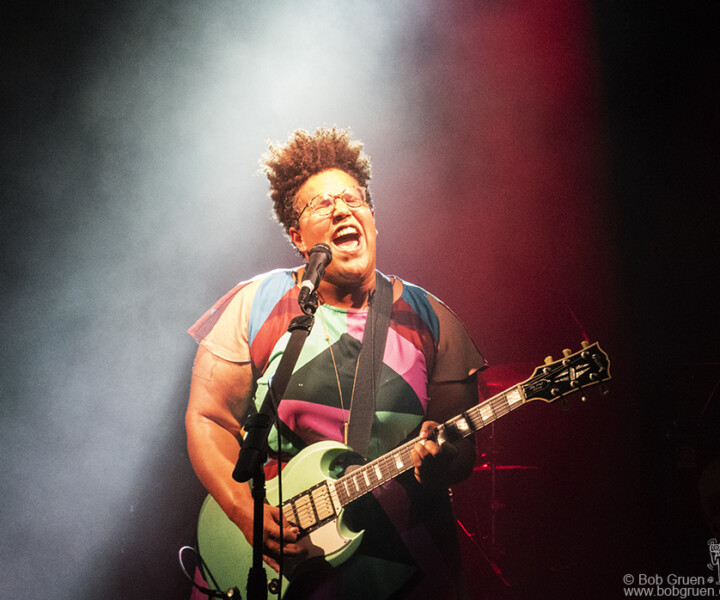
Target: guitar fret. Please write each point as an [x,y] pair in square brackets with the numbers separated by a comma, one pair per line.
[383,466]
[486,412]
[500,407]
[406,460]
[362,481]
[335,496]
[341,490]
[386,464]
[475,417]
[513,396]
[371,475]
[392,464]
[462,426]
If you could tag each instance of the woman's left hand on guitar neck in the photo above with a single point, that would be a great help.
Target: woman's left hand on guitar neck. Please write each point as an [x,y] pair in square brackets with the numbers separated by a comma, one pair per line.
[441,465]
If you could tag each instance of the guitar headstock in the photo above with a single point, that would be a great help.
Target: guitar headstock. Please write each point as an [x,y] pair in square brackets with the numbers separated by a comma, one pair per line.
[555,379]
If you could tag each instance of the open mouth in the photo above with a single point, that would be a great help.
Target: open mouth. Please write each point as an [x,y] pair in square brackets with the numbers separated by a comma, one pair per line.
[346,238]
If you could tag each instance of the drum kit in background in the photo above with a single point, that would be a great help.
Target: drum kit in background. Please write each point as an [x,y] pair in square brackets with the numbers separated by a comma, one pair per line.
[489,505]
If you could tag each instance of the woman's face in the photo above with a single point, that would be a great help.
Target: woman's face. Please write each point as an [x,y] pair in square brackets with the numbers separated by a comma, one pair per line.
[350,233]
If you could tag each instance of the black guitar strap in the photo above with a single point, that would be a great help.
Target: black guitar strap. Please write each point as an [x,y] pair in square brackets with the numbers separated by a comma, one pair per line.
[370,364]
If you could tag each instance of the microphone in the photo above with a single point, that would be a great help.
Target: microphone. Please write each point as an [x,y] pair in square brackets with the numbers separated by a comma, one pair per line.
[319,257]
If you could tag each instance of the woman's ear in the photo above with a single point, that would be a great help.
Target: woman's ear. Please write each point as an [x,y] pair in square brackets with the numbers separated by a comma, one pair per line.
[297,239]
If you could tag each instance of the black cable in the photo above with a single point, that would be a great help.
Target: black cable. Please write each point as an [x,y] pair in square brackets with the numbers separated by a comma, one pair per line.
[229,595]
[205,570]
[281,555]
[280,501]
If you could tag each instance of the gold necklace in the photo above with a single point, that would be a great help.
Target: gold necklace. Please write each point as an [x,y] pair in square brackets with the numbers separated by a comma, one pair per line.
[346,421]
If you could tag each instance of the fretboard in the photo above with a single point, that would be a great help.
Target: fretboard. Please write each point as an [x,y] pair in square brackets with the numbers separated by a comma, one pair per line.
[373,474]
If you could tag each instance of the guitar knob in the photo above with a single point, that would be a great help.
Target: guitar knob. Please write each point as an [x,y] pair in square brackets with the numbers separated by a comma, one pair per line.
[548,360]
[567,352]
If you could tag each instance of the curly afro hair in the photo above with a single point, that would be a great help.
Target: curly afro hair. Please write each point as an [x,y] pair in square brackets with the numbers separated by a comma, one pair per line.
[289,166]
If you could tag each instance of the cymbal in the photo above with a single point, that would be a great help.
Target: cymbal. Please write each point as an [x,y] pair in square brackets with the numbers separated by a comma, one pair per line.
[487,467]
[502,377]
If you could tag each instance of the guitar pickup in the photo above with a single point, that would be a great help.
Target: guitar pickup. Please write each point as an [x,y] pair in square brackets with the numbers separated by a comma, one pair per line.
[310,510]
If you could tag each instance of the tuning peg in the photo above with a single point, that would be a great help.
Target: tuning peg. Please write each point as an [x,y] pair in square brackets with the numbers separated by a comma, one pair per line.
[566,353]
[548,360]
[585,344]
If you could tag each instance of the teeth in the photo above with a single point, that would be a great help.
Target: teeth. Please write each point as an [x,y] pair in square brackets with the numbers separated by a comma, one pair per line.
[344,231]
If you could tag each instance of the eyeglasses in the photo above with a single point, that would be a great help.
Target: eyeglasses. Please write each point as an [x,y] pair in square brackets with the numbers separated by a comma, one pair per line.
[323,204]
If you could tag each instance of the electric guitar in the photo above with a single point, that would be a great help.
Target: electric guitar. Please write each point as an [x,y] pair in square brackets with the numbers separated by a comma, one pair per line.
[317,495]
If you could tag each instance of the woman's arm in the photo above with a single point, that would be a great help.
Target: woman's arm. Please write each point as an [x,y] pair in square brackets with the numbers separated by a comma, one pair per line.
[220,394]
[442,465]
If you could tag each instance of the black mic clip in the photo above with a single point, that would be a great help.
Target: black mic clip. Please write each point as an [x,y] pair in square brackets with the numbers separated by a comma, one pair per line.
[310,304]
[319,257]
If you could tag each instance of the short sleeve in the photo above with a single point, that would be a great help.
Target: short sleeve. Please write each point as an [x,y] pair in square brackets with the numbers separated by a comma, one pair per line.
[228,338]
[457,355]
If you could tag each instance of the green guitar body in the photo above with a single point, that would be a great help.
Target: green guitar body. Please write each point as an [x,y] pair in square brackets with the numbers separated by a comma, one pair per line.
[228,554]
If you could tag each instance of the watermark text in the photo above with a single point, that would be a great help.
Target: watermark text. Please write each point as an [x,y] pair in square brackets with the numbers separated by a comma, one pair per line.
[644,585]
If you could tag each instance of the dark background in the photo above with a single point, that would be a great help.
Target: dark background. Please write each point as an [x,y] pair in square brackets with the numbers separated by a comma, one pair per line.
[550,171]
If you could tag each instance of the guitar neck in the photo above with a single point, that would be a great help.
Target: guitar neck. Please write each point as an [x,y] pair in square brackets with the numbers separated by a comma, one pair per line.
[373,474]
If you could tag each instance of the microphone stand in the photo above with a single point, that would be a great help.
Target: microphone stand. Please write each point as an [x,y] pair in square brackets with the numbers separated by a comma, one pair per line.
[254,449]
